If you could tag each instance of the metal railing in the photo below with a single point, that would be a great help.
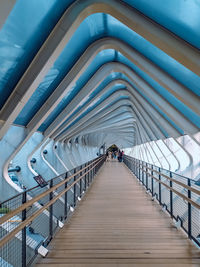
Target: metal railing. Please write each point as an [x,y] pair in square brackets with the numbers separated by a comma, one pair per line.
[179,196]
[29,220]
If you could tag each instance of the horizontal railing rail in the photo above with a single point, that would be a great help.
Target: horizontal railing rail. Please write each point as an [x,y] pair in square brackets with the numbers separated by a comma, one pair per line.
[37,198]
[36,206]
[144,162]
[180,196]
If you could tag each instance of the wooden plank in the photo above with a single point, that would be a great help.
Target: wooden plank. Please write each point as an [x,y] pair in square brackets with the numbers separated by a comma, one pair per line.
[117,224]
[114,265]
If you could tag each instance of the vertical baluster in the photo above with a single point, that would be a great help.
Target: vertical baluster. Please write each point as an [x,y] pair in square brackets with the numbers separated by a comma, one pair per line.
[51,213]
[142,173]
[24,232]
[65,206]
[189,212]
[171,196]
[81,182]
[152,183]
[93,170]
[74,187]
[85,177]
[88,175]
[147,176]
[160,197]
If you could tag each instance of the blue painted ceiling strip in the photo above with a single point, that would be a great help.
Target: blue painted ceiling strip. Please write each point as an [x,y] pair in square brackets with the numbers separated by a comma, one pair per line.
[66,59]
[57,111]
[180,17]
[98,102]
[112,103]
[115,76]
[22,36]
[87,32]
[92,96]
[20,41]
[187,112]
[155,106]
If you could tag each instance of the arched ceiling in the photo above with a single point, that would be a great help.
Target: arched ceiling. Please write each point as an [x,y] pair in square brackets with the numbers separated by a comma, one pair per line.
[106,71]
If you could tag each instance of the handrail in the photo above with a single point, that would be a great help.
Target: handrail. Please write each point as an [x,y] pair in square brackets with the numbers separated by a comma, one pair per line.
[184,177]
[175,191]
[24,223]
[169,178]
[38,197]
[182,207]
[169,187]
[37,186]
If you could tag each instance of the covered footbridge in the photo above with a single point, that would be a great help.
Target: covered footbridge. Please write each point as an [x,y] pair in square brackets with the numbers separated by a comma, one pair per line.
[77,76]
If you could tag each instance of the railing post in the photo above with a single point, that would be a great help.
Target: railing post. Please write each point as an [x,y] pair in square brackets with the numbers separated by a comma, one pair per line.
[65,206]
[142,173]
[95,168]
[135,167]
[85,178]
[152,183]
[160,197]
[81,182]
[74,188]
[147,176]
[92,170]
[88,175]
[51,212]
[189,212]
[171,196]
[138,172]
[24,232]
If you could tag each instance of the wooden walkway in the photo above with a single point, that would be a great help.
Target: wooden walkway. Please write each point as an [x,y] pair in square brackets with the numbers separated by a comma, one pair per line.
[117,224]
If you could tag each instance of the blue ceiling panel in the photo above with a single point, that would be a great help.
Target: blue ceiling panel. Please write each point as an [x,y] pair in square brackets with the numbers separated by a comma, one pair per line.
[188,113]
[154,106]
[96,103]
[100,59]
[179,16]
[21,37]
[20,40]
[94,106]
[93,28]
[56,112]
[154,54]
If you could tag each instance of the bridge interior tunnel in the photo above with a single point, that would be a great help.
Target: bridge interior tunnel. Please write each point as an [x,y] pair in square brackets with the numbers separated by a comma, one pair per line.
[79,76]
